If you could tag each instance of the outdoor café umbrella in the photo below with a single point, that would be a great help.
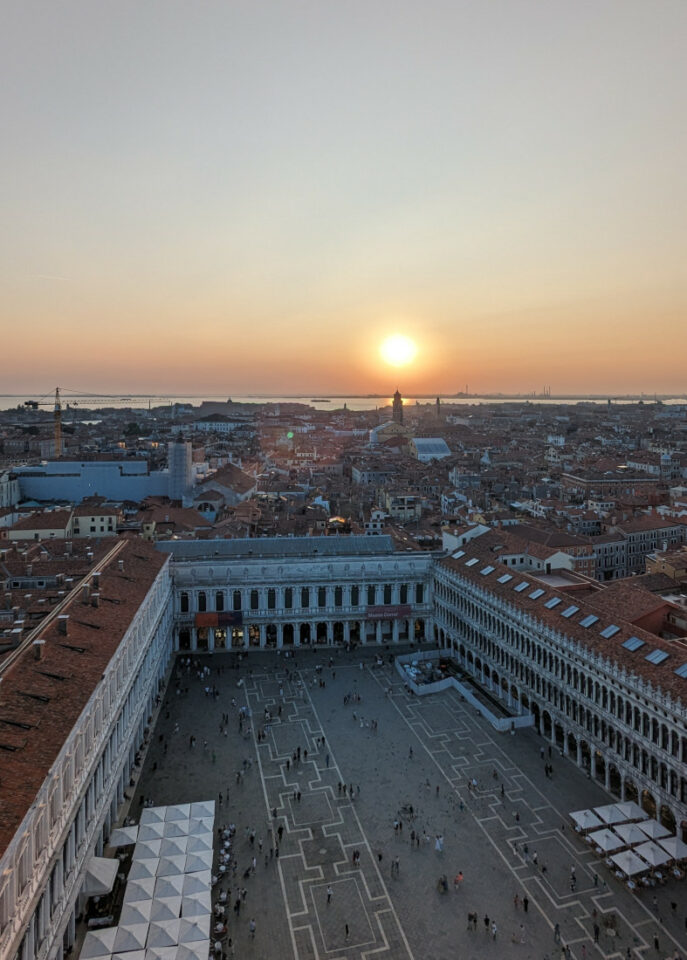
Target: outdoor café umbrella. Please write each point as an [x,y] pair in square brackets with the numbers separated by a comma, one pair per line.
[147,849]
[163,933]
[195,862]
[142,869]
[586,819]
[653,829]
[610,813]
[630,833]
[631,810]
[151,831]
[180,811]
[161,953]
[196,905]
[139,890]
[138,912]
[606,840]
[203,808]
[201,827]
[196,950]
[165,908]
[130,936]
[169,886]
[652,853]
[175,828]
[152,815]
[198,844]
[196,883]
[123,836]
[675,847]
[629,863]
[173,846]
[98,943]
[171,866]
[194,929]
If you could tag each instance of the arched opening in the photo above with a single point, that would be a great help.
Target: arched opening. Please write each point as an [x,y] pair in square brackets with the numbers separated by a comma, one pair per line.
[253,635]
[220,638]
[631,792]
[667,818]
[237,636]
[355,632]
[202,638]
[287,635]
[419,631]
[614,780]
[184,639]
[305,634]
[271,635]
[648,803]
[338,632]
[321,632]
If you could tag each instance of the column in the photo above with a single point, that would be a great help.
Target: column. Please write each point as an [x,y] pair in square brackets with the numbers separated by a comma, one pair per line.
[592,762]
[330,632]
[378,631]
[280,636]
[607,776]
[347,632]
[394,630]
[211,639]
[553,733]
[194,638]
[623,795]
[263,635]
[579,753]
[297,634]
[566,747]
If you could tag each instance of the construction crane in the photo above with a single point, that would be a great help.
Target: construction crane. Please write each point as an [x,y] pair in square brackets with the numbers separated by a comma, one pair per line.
[57,420]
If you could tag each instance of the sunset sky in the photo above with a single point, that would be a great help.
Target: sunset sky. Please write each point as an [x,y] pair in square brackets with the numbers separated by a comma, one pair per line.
[232,197]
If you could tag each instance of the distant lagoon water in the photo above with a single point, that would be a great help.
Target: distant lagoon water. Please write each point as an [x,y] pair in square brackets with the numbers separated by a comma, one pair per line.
[320,402]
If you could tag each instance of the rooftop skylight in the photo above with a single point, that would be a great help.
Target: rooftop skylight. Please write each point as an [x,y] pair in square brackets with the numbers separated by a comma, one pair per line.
[568,612]
[634,643]
[486,570]
[553,602]
[505,578]
[657,656]
[610,631]
[588,620]
[521,586]
[536,593]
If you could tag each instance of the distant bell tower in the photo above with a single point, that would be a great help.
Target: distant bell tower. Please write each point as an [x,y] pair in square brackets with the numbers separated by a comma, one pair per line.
[398,407]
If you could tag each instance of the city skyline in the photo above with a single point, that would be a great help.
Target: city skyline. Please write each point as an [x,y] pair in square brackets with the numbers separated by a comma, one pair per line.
[245,200]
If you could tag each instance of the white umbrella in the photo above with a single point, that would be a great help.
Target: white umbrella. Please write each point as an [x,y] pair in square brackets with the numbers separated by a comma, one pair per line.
[196,905]
[99,943]
[132,936]
[675,847]
[196,950]
[196,929]
[175,828]
[147,849]
[166,908]
[632,810]
[200,828]
[196,883]
[173,846]
[164,933]
[162,953]
[123,836]
[203,808]
[630,833]
[138,912]
[586,819]
[180,811]
[610,814]
[199,844]
[652,853]
[169,886]
[101,873]
[195,862]
[151,831]
[139,890]
[142,869]
[606,840]
[629,863]
[152,815]
[171,866]
[653,829]
[130,955]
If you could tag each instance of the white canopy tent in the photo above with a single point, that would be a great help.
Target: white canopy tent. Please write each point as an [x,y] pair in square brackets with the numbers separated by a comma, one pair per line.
[173,846]
[169,886]
[196,950]
[606,840]
[175,828]
[199,844]
[143,869]
[631,810]
[200,828]
[203,808]
[164,933]
[196,883]
[197,862]
[653,829]
[138,912]
[675,847]
[180,811]
[130,955]
[630,833]
[652,853]
[101,873]
[586,819]
[123,836]
[147,849]
[629,863]
[166,908]
[162,953]
[192,930]
[139,890]
[152,815]
[151,831]
[131,936]
[98,943]
[196,905]
[171,866]
[610,814]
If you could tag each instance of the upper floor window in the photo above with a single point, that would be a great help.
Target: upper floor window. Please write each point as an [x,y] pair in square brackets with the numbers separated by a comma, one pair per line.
[288,598]
[419,593]
[387,593]
[355,595]
[202,602]
[338,596]
[322,597]
[219,601]
[371,595]
[183,602]
[237,599]
[305,597]
[271,599]
[254,600]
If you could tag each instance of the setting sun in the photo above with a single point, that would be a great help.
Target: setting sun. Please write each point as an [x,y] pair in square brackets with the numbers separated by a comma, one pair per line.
[398,350]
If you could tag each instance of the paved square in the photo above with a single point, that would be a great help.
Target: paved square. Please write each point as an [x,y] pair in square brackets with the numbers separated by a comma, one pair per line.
[356,776]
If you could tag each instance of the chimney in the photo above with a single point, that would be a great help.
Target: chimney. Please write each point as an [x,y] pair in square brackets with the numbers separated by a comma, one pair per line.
[120,566]
[29,569]
[85,593]
[62,622]
[67,546]
[38,649]
[95,599]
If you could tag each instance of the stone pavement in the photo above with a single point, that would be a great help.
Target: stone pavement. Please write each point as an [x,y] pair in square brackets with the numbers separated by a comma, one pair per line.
[374,908]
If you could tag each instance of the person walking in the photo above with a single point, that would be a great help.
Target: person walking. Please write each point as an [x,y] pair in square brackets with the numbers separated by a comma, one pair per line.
[525,903]
[251,929]
[329,894]
[493,930]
